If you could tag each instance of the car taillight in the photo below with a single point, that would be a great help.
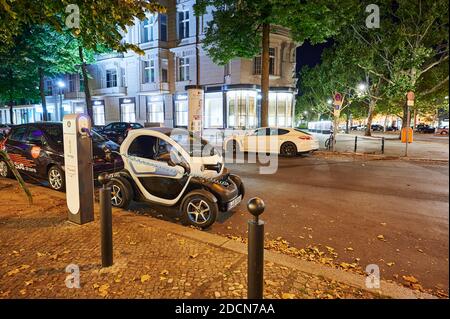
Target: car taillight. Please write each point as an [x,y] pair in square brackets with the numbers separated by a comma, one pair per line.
[305,138]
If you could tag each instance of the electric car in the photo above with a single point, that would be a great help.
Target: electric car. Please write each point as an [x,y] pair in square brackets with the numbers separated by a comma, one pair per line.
[174,167]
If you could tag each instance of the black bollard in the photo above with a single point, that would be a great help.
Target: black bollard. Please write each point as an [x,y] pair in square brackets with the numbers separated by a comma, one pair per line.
[356,143]
[255,272]
[106,221]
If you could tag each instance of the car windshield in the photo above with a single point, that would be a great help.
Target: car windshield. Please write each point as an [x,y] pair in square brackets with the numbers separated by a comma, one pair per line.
[193,145]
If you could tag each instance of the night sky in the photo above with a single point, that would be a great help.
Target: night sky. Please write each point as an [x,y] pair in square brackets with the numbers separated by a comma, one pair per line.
[308,54]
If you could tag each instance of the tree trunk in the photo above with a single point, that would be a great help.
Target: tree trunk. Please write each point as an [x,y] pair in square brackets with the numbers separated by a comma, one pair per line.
[265,81]
[372,105]
[87,92]
[42,93]
[11,112]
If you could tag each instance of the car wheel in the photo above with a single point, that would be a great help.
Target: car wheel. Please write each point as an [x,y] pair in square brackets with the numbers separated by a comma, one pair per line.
[199,210]
[444,133]
[4,170]
[121,192]
[56,178]
[288,149]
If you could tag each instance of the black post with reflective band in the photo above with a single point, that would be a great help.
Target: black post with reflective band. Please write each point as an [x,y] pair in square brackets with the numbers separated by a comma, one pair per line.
[106,222]
[255,272]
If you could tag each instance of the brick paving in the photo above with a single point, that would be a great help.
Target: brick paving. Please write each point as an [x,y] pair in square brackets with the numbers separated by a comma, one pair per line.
[37,244]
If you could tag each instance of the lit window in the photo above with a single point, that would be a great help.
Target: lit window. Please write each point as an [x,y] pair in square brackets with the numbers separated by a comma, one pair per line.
[128,112]
[155,111]
[214,110]
[242,109]
[181,113]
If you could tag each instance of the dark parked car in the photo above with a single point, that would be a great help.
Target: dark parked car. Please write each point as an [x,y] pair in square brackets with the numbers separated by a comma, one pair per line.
[392,129]
[427,129]
[37,151]
[377,128]
[117,131]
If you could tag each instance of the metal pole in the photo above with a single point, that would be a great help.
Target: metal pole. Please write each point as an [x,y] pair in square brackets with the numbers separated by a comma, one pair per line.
[106,226]
[407,130]
[255,271]
[356,144]
[382,145]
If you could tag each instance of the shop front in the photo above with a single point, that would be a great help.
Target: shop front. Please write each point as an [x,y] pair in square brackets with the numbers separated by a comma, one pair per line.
[98,108]
[155,109]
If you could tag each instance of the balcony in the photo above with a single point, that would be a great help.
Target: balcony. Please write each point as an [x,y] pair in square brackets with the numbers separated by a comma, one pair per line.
[113,91]
[74,95]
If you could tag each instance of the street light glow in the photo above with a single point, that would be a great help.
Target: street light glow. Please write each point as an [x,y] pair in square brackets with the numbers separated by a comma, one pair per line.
[362,87]
[61,84]
[330,101]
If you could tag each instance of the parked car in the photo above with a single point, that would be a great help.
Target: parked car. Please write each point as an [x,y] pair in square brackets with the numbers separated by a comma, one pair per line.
[377,128]
[392,129]
[117,131]
[4,129]
[284,141]
[172,167]
[442,130]
[37,150]
[425,128]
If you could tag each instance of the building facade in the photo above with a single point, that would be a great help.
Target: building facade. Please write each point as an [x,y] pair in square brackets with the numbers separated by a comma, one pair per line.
[152,89]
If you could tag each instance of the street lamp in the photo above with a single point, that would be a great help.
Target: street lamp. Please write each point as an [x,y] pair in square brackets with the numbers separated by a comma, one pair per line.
[61,86]
[362,87]
[330,101]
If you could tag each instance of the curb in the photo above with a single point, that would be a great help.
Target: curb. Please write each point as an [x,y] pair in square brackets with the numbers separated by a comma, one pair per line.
[388,289]
[383,157]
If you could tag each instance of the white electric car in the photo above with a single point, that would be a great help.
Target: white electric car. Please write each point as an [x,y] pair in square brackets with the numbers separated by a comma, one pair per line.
[284,141]
[172,167]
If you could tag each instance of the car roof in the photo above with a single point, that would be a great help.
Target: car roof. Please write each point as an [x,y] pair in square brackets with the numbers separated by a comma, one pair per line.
[38,124]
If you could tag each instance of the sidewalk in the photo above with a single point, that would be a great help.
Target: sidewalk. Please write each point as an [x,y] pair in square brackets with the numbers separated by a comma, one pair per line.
[424,146]
[152,259]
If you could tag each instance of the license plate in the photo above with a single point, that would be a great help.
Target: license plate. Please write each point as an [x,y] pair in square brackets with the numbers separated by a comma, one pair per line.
[234,202]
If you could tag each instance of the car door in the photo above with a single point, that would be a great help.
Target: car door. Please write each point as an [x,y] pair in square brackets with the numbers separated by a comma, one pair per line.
[256,141]
[21,151]
[148,162]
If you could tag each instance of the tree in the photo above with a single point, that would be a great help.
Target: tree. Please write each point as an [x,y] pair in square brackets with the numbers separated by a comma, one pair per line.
[411,43]
[18,81]
[101,24]
[241,29]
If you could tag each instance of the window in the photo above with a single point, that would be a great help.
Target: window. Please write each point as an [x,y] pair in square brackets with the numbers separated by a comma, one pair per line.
[147,28]
[99,114]
[144,147]
[242,109]
[214,110]
[183,69]
[183,24]
[155,111]
[128,112]
[280,109]
[81,84]
[278,132]
[72,82]
[35,136]
[18,134]
[111,78]
[164,71]
[181,113]
[49,88]
[149,71]
[124,77]
[257,63]
[163,34]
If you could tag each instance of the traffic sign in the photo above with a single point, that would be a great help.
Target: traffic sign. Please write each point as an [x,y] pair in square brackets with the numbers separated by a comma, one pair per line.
[411,96]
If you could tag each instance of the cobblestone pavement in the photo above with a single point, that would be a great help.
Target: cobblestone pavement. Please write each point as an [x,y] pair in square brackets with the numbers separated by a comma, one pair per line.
[37,244]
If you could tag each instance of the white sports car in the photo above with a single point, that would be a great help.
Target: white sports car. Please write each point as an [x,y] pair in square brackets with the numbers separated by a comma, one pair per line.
[284,141]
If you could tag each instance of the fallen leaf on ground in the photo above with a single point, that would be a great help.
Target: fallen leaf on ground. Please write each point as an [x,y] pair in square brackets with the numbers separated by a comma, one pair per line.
[349,249]
[193,256]
[287,296]
[390,264]
[410,279]
[145,278]
[164,272]
[27,283]
[380,237]
[13,272]
[103,290]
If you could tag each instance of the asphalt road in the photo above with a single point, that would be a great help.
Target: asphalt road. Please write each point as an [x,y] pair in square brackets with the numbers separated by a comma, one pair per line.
[344,203]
